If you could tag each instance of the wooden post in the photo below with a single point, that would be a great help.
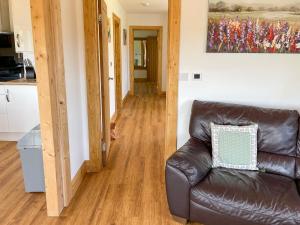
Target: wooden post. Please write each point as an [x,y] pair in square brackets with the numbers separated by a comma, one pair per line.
[173,74]
[131,60]
[93,79]
[47,33]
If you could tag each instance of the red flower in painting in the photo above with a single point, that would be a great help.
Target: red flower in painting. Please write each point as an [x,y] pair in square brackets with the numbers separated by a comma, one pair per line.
[271,34]
[255,50]
[293,47]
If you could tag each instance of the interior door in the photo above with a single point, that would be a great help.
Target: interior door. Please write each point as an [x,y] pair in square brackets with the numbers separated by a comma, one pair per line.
[152,58]
[103,67]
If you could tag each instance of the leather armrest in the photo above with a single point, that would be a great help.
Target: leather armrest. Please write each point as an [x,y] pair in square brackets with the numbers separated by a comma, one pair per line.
[193,160]
[184,169]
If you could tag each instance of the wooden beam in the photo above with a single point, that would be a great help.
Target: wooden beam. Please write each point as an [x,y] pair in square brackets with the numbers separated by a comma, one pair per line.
[104,74]
[117,43]
[93,84]
[172,80]
[159,65]
[47,33]
[131,62]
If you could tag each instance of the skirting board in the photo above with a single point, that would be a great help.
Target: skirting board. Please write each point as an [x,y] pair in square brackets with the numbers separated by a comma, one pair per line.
[125,99]
[114,118]
[77,180]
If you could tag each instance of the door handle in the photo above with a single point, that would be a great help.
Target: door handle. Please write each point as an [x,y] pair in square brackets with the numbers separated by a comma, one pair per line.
[110,78]
[7,96]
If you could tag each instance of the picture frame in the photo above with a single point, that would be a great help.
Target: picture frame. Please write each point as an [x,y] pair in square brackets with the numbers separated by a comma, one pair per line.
[254,26]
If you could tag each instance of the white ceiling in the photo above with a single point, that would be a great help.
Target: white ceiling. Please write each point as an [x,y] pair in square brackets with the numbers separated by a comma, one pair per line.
[135,6]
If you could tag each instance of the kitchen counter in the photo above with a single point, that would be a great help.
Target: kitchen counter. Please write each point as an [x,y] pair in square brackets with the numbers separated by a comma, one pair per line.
[19,82]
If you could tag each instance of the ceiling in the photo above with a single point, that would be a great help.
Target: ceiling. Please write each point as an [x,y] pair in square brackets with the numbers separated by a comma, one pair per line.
[135,6]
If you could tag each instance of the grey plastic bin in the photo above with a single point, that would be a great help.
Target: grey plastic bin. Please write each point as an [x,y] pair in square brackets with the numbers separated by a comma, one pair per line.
[30,148]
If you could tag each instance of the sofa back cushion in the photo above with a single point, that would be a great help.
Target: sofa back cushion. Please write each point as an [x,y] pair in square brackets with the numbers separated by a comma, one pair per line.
[298,168]
[298,156]
[277,131]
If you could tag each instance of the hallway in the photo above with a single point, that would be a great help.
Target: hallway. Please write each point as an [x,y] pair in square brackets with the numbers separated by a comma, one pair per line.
[144,88]
[129,191]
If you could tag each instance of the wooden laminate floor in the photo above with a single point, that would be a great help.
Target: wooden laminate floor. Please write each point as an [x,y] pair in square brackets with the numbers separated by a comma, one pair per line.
[129,191]
[145,88]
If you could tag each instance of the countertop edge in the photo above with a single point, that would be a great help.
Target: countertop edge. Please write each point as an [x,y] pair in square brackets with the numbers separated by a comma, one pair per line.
[19,82]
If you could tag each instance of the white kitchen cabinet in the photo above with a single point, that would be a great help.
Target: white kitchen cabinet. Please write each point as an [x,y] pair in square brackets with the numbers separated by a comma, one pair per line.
[22,25]
[3,111]
[2,101]
[22,108]
[19,108]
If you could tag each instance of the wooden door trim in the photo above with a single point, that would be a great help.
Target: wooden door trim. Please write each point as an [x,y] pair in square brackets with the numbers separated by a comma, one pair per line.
[159,30]
[93,80]
[173,77]
[48,45]
[104,74]
[118,76]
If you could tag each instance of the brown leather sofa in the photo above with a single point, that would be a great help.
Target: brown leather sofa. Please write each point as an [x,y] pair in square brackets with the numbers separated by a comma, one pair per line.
[270,196]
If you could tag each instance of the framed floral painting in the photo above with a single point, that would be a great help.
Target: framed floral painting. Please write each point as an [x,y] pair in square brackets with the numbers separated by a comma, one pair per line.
[253,26]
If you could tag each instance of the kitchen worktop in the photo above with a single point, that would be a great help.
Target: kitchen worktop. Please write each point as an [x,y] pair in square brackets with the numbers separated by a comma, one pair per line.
[19,82]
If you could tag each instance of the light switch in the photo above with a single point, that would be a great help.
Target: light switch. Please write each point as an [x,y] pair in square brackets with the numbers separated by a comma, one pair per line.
[197,76]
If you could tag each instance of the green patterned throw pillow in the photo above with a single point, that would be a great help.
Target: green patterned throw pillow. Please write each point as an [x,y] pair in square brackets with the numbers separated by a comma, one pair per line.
[234,147]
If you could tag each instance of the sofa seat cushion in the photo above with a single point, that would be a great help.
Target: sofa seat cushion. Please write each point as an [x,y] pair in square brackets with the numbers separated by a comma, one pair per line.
[258,197]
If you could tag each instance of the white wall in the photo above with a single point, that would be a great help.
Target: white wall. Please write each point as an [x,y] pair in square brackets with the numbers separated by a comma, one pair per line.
[10,15]
[254,79]
[113,6]
[5,21]
[74,59]
[145,33]
[154,19]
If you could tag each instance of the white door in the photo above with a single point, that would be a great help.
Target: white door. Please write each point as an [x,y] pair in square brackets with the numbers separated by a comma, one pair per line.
[3,111]
[22,108]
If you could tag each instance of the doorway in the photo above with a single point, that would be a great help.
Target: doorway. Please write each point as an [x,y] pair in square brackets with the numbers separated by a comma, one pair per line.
[117,64]
[145,59]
